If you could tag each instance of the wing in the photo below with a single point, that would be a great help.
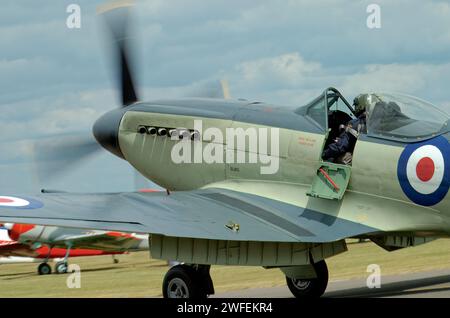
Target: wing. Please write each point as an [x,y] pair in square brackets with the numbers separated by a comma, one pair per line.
[7,244]
[217,214]
[13,248]
[105,241]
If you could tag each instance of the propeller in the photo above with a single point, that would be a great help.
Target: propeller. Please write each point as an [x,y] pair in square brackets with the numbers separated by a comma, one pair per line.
[116,17]
[53,156]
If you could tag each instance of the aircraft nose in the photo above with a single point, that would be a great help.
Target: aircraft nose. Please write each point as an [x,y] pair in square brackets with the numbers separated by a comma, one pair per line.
[7,226]
[16,230]
[106,131]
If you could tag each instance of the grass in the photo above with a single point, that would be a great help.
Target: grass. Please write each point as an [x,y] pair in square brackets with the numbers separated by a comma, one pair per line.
[139,276]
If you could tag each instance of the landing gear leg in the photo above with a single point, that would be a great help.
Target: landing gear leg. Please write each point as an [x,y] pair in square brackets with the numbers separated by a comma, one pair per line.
[310,288]
[62,267]
[44,268]
[188,281]
[115,260]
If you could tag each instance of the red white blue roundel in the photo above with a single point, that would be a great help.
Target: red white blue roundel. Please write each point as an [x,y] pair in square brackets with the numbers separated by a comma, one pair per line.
[424,171]
[19,203]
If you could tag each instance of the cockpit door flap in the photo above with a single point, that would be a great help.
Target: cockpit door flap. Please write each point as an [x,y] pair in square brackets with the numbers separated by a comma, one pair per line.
[331,181]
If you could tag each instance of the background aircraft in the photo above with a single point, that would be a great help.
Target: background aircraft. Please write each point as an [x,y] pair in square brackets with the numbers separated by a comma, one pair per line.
[18,260]
[395,192]
[33,243]
[5,241]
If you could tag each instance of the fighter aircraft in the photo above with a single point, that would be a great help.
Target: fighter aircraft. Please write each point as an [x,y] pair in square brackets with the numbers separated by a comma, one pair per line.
[289,210]
[42,243]
[5,240]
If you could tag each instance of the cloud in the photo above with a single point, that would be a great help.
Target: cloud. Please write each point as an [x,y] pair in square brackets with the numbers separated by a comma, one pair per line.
[427,81]
[57,114]
[291,79]
[284,70]
[187,41]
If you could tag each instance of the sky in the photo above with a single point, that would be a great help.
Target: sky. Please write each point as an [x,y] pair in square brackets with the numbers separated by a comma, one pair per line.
[55,81]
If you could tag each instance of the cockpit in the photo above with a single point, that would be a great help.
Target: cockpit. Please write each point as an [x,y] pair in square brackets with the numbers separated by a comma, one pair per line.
[390,116]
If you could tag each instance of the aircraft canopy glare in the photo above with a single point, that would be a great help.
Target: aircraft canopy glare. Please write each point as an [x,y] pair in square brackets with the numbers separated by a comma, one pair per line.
[404,118]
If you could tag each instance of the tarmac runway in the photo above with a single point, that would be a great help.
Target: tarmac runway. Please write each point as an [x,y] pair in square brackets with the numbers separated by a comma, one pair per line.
[434,284]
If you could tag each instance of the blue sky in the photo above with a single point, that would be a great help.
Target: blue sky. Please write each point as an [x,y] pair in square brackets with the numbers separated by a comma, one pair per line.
[56,80]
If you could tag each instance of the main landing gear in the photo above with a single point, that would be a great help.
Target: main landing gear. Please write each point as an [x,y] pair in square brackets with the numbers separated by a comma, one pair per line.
[60,267]
[194,281]
[310,288]
[188,281]
[44,269]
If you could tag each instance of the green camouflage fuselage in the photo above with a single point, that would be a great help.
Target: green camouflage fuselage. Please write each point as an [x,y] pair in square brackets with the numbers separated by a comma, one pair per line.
[374,196]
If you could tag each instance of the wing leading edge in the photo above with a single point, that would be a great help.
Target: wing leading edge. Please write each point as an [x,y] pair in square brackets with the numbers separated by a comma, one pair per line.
[106,241]
[216,214]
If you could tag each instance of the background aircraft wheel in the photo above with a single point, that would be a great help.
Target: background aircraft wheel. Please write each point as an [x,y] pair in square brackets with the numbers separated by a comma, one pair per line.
[183,281]
[311,288]
[61,267]
[44,269]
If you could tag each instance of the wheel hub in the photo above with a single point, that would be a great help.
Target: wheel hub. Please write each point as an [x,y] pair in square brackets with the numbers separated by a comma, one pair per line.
[178,289]
[301,284]
[62,268]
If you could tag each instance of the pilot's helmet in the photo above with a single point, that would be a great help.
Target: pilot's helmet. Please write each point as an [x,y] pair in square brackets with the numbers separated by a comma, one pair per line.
[364,102]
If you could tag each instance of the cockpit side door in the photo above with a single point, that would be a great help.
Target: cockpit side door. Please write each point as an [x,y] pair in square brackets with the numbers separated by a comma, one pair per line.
[331,179]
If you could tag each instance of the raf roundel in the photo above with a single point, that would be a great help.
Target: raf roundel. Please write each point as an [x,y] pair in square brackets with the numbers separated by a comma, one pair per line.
[424,171]
[19,203]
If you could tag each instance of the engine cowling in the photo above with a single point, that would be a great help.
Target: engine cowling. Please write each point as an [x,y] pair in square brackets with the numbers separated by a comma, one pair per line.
[15,231]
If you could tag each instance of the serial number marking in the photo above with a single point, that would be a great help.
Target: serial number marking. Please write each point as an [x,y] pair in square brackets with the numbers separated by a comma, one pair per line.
[246,307]
[310,142]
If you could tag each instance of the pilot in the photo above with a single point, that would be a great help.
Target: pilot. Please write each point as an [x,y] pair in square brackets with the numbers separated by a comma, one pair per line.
[361,105]
[340,149]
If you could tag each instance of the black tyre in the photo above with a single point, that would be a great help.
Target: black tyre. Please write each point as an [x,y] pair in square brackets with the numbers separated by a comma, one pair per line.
[44,269]
[310,288]
[61,267]
[183,281]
